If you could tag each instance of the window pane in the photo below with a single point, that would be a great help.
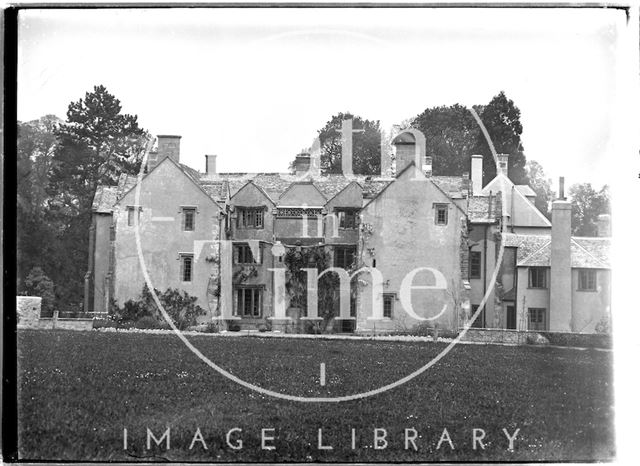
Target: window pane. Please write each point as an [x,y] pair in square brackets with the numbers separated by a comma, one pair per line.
[189,219]
[130,216]
[187,263]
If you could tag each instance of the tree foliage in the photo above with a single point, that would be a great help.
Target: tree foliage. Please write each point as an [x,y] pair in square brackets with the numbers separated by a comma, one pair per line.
[36,144]
[366,145]
[38,284]
[587,203]
[541,185]
[452,136]
[60,165]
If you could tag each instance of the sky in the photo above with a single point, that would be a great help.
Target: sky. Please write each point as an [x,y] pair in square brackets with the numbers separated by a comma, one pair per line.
[254,85]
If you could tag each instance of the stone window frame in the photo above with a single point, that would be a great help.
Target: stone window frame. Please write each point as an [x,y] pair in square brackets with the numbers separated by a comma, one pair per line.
[243,215]
[130,210]
[533,279]
[480,321]
[472,272]
[243,251]
[588,277]
[256,290]
[341,262]
[347,218]
[186,258]
[540,320]
[441,208]
[392,297]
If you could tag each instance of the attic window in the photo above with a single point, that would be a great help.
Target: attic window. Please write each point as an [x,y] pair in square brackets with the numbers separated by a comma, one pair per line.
[130,214]
[441,214]
[188,218]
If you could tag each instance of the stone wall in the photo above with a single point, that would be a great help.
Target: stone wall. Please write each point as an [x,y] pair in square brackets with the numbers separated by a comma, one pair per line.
[28,310]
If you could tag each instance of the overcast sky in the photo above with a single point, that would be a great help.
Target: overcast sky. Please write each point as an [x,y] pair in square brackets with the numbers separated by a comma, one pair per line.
[254,86]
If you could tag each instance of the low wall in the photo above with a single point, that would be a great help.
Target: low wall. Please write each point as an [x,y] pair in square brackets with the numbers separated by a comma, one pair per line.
[28,311]
[514,337]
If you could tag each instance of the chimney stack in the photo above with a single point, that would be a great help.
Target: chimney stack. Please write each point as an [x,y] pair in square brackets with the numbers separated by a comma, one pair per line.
[427,168]
[211,165]
[561,189]
[465,183]
[604,225]
[476,174]
[503,164]
[560,275]
[302,163]
[405,144]
[169,146]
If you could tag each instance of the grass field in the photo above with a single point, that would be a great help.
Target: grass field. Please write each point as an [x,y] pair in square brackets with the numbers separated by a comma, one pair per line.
[79,390]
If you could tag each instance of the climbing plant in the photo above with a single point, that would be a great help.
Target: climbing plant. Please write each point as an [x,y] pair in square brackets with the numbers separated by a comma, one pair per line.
[317,257]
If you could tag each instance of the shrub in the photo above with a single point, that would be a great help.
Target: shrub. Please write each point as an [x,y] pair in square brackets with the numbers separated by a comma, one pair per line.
[212,327]
[423,329]
[148,322]
[181,307]
[38,284]
[233,326]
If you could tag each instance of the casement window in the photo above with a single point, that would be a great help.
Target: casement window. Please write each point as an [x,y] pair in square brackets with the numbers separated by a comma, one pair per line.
[248,301]
[347,218]
[188,218]
[186,267]
[131,211]
[344,256]
[475,264]
[441,214]
[587,280]
[479,322]
[242,254]
[537,318]
[388,302]
[537,277]
[250,217]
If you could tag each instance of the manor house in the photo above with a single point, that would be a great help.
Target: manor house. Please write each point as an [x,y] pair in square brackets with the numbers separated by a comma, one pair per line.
[222,238]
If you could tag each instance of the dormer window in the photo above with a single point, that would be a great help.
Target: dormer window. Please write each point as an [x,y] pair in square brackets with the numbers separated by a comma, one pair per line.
[347,218]
[250,217]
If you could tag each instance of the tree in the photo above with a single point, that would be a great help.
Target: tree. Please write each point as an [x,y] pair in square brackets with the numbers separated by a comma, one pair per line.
[95,145]
[541,185]
[366,145]
[36,145]
[501,118]
[587,204]
[451,135]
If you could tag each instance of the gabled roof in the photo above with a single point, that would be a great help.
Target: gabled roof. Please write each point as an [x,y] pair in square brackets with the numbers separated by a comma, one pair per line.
[535,251]
[526,190]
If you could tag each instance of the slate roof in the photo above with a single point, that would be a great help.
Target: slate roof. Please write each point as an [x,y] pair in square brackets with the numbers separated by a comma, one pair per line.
[223,185]
[104,200]
[535,251]
[482,209]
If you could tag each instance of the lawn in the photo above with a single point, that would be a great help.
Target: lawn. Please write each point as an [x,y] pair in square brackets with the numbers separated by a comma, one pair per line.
[79,390]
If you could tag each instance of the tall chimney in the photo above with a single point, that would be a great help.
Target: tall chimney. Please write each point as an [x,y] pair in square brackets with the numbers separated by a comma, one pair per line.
[476,174]
[503,164]
[169,146]
[604,225]
[303,163]
[211,165]
[561,189]
[405,144]
[560,262]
